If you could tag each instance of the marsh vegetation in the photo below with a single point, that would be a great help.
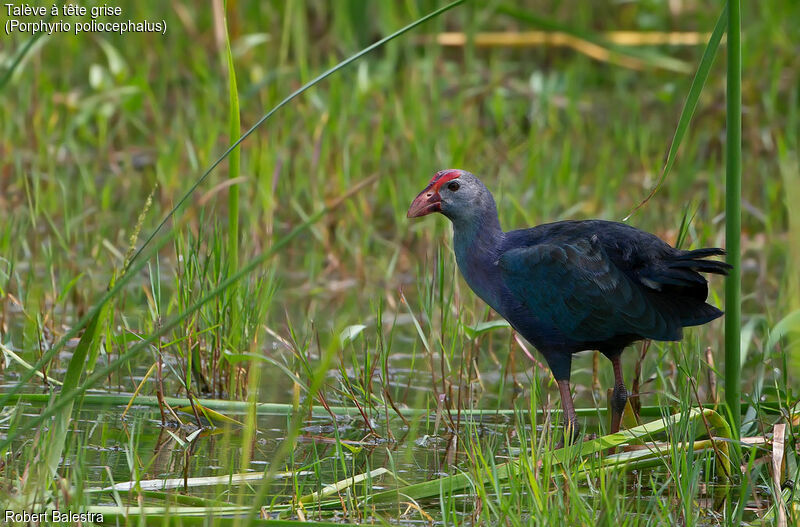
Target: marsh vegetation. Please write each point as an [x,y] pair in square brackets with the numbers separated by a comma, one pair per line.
[194,335]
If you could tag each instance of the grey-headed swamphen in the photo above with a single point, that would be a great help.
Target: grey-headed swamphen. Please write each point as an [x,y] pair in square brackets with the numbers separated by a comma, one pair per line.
[571,286]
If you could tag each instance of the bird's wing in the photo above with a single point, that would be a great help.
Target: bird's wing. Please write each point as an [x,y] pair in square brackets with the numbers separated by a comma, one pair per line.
[575,286]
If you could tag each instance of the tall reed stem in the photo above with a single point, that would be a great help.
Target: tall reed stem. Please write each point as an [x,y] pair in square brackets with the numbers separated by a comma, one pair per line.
[235,130]
[733,220]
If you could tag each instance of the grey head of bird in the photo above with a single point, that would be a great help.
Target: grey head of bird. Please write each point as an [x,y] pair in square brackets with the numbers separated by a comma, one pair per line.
[457,194]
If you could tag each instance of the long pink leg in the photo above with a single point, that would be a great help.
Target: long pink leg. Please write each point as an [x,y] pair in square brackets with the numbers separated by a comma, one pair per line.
[570,417]
[620,396]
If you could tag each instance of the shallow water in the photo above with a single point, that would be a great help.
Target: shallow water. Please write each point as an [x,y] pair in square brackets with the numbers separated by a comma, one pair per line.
[107,448]
[326,450]
[103,442]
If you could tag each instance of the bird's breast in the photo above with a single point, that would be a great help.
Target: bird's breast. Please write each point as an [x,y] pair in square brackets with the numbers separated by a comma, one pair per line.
[485,279]
[482,276]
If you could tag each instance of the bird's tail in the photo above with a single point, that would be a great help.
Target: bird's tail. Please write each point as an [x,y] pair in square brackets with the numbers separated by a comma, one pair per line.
[686,267]
[682,270]
[693,260]
[699,314]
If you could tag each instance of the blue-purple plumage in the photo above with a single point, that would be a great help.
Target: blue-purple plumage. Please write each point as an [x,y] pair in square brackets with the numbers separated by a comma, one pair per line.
[573,285]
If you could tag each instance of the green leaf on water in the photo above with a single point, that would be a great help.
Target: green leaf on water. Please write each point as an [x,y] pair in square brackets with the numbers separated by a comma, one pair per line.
[213,416]
[337,487]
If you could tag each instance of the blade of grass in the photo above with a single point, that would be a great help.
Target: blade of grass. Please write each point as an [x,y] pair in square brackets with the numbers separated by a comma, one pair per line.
[305,87]
[22,362]
[690,105]
[654,455]
[339,486]
[21,54]
[71,380]
[214,417]
[54,440]
[235,127]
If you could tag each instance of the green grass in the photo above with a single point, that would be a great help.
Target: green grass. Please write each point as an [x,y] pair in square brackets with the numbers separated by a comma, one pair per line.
[328,298]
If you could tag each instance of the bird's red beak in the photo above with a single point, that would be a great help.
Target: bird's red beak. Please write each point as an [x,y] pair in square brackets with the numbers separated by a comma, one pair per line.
[426,202]
[429,199]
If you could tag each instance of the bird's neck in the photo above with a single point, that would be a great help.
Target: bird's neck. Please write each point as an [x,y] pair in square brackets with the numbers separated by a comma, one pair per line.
[477,243]
[480,233]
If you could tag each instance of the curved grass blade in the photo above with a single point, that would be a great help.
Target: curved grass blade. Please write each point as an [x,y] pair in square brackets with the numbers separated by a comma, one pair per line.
[21,54]
[135,264]
[690,105]
[25,364]
[234,129]
[653,456]
[214,417]
[53,442]
[329,490]
[484,327]
[305,87]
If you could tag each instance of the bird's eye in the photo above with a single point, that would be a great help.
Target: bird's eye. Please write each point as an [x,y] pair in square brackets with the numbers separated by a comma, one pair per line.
[453,186]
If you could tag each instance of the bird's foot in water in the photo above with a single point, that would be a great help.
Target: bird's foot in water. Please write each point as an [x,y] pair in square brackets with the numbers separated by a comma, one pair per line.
[572,436]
